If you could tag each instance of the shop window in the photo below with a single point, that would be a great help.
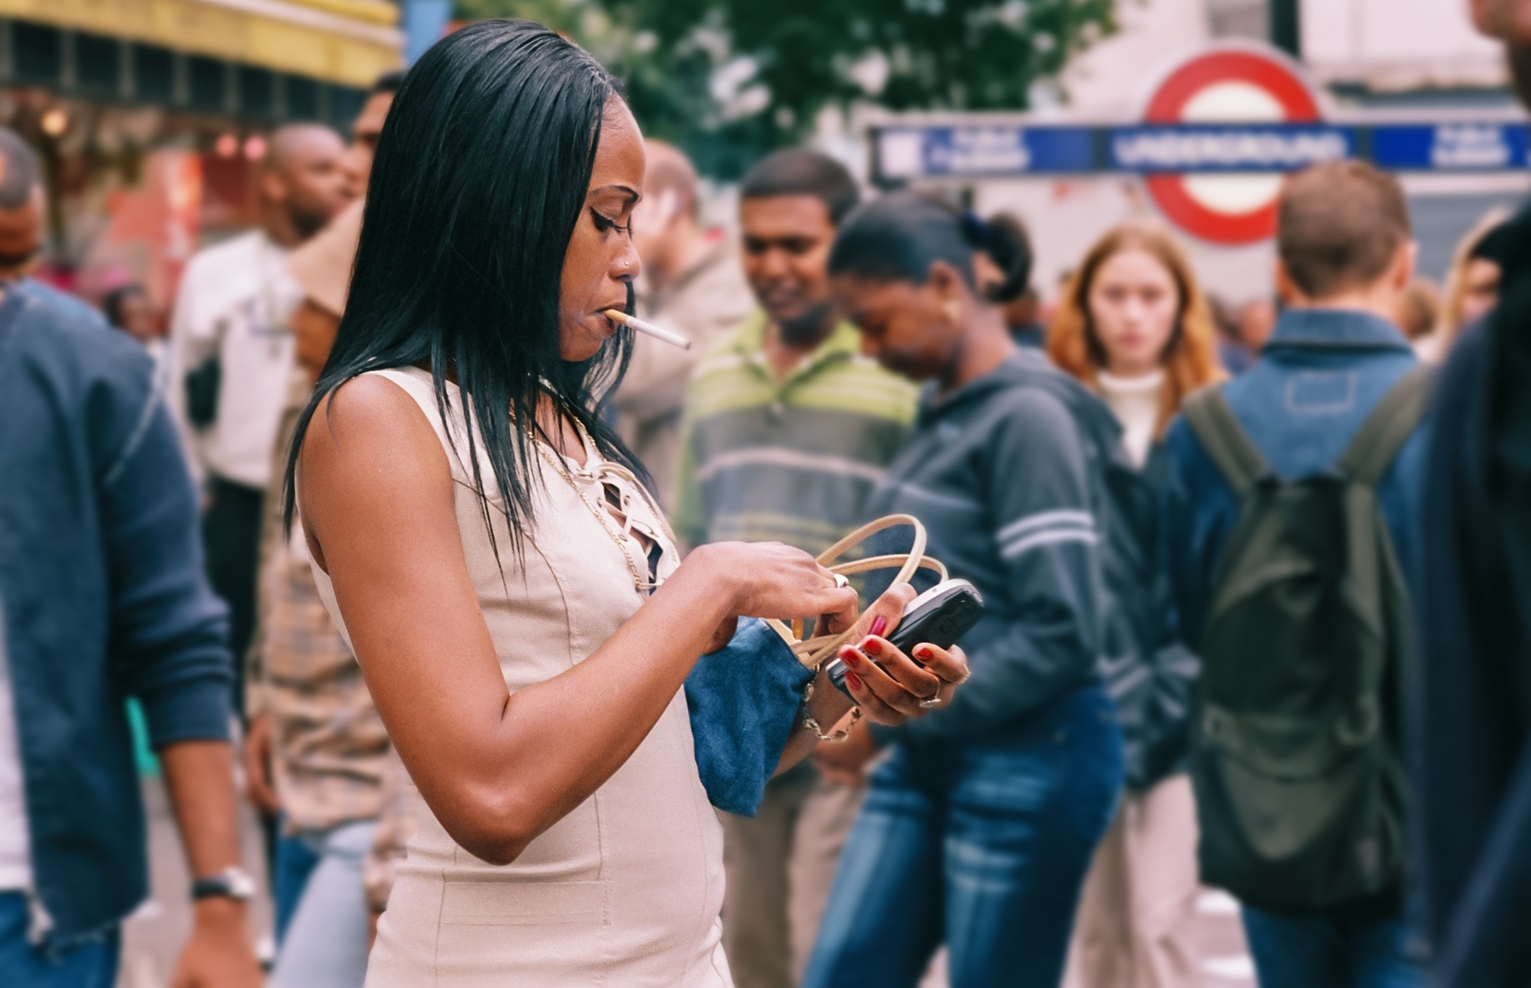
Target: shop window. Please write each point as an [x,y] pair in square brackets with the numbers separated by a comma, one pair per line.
[345,106]
[256,92]
[153,74]
[39,53]
[97,63]
[302,98]
[204,83]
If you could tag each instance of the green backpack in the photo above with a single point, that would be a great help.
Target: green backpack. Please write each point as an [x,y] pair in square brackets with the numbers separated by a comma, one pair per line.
[1299,786]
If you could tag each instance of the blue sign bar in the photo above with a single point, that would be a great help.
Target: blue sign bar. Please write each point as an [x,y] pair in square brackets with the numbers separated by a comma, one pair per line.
[1000,150]
[1450,146]
[1231,148]
[974,151]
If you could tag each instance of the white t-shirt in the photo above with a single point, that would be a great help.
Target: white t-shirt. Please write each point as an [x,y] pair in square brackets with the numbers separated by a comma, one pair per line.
[234,301]
[15,843]
[1135,401]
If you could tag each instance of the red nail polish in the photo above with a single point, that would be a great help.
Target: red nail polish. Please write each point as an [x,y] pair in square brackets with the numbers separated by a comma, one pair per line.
[850,656]
[879,625]
[871,647]
[854,680]
[923,652]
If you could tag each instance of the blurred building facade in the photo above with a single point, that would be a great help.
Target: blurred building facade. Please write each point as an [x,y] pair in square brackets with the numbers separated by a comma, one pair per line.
[148,114]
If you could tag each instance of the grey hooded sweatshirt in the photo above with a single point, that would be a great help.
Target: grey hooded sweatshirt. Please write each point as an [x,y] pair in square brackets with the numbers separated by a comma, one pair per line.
[1007,474]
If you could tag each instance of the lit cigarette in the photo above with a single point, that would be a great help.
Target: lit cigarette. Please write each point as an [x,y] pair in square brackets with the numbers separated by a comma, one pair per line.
[674,339]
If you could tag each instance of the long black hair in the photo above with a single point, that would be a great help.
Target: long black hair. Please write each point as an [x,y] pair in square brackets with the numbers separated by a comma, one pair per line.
[480,175]
[898,236]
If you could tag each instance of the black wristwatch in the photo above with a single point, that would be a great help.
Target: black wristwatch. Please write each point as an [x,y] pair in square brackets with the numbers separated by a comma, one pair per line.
[231,883]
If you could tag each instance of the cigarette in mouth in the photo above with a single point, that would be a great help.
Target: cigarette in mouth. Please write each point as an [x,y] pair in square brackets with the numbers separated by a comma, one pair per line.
[674,339]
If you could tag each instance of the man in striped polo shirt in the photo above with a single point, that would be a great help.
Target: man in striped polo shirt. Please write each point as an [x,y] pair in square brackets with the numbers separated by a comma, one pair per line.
[787,429]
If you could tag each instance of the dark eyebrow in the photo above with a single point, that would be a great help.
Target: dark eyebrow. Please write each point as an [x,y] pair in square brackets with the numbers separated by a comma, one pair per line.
[632,194]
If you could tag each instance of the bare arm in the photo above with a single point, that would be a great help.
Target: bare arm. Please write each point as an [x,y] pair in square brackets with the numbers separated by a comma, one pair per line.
[498,769]
[200,778]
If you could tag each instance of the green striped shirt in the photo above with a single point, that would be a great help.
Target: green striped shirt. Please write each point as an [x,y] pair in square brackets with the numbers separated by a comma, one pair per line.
[789,460]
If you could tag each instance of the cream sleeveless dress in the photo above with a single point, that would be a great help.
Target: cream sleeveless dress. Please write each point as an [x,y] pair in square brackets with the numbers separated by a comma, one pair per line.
[627,889]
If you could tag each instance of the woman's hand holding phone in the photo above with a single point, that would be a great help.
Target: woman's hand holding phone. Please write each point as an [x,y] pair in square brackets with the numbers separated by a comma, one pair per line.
[896,689]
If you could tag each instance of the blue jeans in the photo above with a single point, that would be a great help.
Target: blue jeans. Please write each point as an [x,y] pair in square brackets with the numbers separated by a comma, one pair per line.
[980,842]
[326,940]
[1330,951]
[295,861]
[91,964]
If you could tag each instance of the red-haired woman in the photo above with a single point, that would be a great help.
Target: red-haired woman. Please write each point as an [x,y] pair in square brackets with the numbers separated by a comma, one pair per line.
[1134,327]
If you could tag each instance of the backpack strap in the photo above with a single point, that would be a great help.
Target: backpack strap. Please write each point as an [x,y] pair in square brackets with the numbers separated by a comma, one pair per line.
[1224,439]
[1387,428]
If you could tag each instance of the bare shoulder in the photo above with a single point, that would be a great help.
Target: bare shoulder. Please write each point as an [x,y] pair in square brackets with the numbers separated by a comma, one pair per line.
[369,451]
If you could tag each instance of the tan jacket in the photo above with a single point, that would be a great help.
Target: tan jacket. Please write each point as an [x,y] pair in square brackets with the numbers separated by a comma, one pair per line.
[703,304]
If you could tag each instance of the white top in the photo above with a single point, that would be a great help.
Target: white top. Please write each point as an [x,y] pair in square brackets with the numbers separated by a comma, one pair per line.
[1135,401]
[15,845]
[627,889]
[234,302]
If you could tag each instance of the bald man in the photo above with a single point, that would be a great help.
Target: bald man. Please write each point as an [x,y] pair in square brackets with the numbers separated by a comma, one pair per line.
[692,284]
[21,207]
[231,355]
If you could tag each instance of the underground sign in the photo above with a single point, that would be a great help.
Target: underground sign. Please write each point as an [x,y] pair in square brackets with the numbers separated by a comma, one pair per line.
[1226,84]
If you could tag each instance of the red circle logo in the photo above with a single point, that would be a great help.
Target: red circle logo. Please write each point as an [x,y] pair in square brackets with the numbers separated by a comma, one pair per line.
[1229,84]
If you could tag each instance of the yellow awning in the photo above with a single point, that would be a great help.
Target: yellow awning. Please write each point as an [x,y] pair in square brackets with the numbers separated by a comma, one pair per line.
[350,42]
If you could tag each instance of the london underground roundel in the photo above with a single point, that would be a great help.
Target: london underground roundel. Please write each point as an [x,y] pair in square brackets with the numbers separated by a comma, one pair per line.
[1227,84]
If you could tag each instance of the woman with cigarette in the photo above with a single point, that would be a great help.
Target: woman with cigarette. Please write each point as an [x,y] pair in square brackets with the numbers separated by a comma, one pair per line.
[485,543]
[980,823]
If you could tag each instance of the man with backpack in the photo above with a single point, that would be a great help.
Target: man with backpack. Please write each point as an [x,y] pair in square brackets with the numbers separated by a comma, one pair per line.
[1288,522]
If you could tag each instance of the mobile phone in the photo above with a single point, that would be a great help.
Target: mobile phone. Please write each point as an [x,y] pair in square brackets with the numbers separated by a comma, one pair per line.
[939,616]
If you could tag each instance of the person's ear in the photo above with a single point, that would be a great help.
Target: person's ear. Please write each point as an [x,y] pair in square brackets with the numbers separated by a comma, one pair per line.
[273,187]
[1401,273]
[946,284]
[1285,287]
[945,280]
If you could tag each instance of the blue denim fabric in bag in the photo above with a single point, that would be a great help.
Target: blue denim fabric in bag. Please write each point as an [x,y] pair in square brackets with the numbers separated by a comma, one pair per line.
[744,700]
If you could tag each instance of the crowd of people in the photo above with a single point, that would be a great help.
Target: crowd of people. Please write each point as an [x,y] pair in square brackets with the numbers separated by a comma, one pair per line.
[477,579]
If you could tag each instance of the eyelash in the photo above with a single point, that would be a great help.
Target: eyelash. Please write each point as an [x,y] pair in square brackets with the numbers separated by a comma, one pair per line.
[606,224]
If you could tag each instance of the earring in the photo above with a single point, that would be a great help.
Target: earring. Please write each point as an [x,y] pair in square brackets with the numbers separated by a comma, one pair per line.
[952,309]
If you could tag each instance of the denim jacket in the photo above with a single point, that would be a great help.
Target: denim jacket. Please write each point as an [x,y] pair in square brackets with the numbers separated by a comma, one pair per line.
[103,598]
[1314,384]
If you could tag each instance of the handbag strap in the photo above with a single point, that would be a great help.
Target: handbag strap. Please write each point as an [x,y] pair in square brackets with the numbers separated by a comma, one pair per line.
[814,652]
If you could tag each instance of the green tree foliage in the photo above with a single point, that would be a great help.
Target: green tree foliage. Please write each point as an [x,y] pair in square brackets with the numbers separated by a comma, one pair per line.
[729,79]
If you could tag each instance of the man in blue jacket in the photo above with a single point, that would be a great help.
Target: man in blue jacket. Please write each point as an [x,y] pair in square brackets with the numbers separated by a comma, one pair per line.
[101,598]
[1345,256]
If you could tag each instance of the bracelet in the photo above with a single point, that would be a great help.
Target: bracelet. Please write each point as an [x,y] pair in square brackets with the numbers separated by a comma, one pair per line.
[812,723]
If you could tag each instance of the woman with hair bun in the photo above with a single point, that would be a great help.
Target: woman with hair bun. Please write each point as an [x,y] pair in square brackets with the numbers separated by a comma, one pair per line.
[1133,327]
[979,825]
